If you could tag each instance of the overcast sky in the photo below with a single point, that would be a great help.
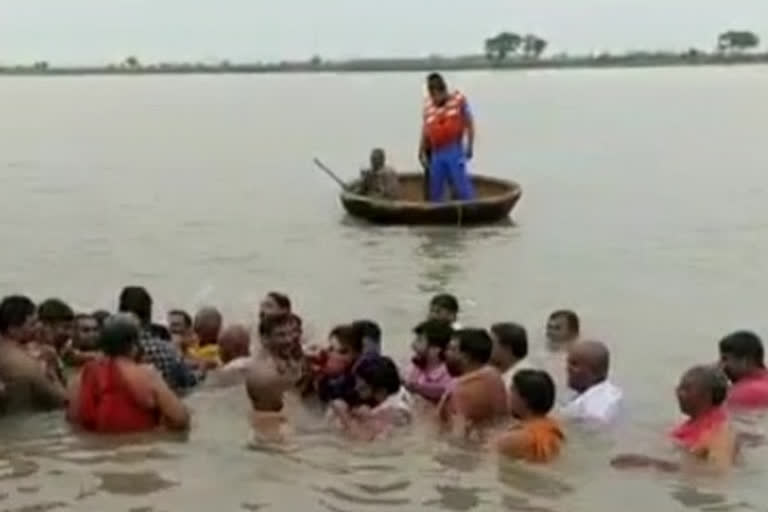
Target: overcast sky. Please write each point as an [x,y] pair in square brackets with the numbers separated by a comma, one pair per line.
[97,31]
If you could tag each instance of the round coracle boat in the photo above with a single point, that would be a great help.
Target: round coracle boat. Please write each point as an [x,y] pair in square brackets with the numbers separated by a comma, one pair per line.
[494,200]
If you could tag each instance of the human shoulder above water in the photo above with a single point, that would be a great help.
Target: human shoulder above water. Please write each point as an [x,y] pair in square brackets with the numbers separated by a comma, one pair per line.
[379,180]
[597,401]
[29,383]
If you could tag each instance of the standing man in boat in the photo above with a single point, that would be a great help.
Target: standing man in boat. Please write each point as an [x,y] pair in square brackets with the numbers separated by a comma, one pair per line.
[442,148]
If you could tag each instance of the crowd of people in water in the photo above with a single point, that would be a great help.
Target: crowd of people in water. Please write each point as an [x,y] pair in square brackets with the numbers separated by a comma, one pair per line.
[119,372]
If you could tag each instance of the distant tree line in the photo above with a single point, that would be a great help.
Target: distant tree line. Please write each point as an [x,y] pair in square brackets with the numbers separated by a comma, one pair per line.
[505,46]
[531,46]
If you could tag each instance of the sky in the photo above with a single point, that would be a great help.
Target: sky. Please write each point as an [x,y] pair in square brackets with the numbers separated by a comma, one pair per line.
[101,31]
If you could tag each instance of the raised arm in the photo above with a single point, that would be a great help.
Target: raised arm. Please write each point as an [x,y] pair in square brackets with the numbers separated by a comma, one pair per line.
[174,413]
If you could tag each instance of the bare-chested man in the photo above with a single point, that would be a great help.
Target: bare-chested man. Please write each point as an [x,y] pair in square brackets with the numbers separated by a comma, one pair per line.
[30,384]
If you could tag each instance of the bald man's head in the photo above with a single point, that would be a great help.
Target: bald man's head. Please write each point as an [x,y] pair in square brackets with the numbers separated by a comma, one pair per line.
[265,387]
[234,342]
[588,365]
[208,325]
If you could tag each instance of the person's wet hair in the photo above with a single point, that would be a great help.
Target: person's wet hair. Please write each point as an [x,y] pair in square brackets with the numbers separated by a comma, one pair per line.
[512,337]
[379,373]
[184,315]
[55,311]
[435,81]
[120,335]
[714,381]
[369,330]
[445,301]
[281,299]
[101,316]
[537,390]
[349,337]
[14,312]
[475,344]
[160,332]
[270,324]
[571,319]
[744,345]
[296,319]
[436,332]
[136,300]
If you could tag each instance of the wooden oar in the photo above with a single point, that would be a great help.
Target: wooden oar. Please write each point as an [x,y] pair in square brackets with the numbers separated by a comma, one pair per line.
[320,165]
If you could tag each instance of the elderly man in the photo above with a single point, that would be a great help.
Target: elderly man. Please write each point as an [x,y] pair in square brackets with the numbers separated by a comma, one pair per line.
[380,180]
[706,438]
[234,355]
[597,401]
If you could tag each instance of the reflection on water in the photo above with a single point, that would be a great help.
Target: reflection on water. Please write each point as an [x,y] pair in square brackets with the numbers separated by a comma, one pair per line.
[521,504]
[460,499]
[135,484]
[442,252]
[348,497]
[38,507]
[708,501]
[17,468]
[439,253]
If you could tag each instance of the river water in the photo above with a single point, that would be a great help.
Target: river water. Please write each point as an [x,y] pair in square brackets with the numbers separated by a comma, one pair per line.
[644,209]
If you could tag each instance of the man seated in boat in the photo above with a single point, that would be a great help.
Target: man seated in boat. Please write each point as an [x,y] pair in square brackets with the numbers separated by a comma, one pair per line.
[380,180]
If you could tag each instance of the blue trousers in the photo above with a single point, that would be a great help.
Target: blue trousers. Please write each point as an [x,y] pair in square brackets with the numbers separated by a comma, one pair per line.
[448,165]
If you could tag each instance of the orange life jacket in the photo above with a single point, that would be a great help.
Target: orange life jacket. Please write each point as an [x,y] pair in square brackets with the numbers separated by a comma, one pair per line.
[444,125]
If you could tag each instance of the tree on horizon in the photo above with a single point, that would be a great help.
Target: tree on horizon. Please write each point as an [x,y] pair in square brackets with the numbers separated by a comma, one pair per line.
[132,62]
[737,40]
[497,48]
[533,46]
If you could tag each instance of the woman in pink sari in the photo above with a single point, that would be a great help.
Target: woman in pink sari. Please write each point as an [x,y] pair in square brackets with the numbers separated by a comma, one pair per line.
[705,438]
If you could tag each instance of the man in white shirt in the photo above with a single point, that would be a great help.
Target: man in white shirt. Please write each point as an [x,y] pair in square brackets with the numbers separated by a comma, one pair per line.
[598,400]
[510,350]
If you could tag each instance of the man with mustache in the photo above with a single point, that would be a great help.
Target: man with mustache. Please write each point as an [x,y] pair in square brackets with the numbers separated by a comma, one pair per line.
[428,376]
[477,398]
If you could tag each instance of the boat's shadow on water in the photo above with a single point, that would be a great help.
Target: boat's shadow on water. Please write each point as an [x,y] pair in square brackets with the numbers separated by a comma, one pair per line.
[440,252]
[355,222]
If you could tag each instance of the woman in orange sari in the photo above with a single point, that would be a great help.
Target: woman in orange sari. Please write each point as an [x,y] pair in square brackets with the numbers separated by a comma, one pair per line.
[116,394]
[537,437]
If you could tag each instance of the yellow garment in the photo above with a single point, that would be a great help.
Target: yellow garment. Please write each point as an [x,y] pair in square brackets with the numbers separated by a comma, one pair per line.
[208,353]
[536,440]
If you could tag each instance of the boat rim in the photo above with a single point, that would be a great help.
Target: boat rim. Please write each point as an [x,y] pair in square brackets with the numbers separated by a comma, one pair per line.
[514,190]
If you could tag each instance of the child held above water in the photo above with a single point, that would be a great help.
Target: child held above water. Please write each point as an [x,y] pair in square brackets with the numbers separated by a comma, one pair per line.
[332,369]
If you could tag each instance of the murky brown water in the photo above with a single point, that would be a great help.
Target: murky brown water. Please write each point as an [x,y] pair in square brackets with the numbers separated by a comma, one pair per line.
[644,208]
